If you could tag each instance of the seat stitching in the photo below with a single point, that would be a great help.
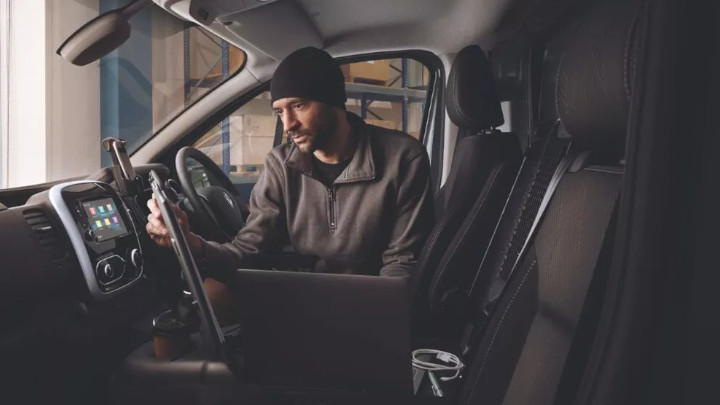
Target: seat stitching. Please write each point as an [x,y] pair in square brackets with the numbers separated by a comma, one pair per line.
[557,85]
[630,38]
[425,255]
[604,170]
[436,235]
[456,100]
[467,228]
[497,329]
[518,219]
[626,53]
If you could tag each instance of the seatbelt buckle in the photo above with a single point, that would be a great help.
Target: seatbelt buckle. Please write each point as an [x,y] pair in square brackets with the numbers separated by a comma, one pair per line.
[466,338]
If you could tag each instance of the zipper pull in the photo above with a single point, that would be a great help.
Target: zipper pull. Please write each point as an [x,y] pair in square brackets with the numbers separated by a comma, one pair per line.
[331,205]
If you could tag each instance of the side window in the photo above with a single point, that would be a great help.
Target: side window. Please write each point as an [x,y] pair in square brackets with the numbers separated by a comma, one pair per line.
[239,143]
[389,93]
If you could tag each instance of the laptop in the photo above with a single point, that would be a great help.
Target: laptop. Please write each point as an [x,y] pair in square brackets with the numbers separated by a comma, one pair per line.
[325,331]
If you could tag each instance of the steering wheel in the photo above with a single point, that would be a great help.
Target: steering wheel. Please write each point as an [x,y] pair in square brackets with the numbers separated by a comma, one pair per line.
[212,195]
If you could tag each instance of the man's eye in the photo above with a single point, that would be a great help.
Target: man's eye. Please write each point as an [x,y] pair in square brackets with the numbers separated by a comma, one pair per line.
[298,106]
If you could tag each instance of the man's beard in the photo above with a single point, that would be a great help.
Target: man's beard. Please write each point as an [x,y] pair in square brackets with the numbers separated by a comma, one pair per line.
[325,128]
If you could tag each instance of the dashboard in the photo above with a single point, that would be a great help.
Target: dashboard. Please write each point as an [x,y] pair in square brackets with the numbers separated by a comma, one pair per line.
[78,281]
[102,233]
[79,239]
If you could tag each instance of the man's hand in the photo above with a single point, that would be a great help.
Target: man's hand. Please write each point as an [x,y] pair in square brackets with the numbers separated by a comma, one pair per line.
[159,233]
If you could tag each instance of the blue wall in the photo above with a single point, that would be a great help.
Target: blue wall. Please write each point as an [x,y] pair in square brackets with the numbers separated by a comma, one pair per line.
[126,82]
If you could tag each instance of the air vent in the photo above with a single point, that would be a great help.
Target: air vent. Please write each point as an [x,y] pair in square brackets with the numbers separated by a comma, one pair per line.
[49,237]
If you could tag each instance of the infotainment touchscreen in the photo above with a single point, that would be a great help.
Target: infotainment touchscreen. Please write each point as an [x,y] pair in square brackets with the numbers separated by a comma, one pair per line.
[104,219]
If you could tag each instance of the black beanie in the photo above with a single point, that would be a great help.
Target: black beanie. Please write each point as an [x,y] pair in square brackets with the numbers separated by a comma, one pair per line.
[309,73]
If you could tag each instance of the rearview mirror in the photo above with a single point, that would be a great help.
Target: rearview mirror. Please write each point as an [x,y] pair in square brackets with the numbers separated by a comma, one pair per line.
[101,35]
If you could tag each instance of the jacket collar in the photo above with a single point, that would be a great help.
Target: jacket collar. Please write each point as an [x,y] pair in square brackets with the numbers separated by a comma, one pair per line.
[361,166]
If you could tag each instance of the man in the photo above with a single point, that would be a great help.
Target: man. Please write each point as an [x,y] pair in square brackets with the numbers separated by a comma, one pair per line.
[354,195]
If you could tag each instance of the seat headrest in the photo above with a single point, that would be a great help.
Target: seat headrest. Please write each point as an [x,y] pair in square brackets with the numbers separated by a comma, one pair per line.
[595,74]
[471,99]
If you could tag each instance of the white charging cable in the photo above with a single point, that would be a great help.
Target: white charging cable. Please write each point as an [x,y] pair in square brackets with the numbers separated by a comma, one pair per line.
[450,363]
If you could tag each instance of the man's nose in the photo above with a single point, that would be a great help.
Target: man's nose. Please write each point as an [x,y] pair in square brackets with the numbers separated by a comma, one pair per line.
[289,121]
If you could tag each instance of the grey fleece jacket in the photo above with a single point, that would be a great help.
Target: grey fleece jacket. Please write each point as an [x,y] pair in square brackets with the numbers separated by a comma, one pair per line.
[373,220]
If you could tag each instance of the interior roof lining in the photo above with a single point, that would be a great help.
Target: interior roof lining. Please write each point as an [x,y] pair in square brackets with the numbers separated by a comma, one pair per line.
[472,21]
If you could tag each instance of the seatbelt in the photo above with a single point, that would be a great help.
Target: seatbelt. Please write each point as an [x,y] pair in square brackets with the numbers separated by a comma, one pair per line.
[499,281]
[498,284]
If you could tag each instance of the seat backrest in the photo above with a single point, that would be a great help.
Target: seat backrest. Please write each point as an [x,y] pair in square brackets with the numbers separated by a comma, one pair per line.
[473,106]
[521,353]
[483,169]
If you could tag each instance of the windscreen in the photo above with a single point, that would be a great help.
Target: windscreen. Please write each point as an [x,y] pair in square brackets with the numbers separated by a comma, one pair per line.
[165,66]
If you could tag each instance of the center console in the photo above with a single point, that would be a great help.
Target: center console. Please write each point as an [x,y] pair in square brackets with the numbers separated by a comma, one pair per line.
[102,233]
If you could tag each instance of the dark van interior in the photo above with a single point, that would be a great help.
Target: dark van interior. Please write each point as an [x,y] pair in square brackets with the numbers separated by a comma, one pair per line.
[571,259]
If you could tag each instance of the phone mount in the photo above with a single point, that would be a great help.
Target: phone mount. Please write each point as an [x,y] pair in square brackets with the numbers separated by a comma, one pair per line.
[122,169]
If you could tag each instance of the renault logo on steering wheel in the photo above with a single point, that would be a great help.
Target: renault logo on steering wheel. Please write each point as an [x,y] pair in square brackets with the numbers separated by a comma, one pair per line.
[229,200]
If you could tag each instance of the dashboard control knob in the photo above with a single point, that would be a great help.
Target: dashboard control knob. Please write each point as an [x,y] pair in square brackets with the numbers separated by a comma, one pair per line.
[89,235]
[108,271]
[136,258]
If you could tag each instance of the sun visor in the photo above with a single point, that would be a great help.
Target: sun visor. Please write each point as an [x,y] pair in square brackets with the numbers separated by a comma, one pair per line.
[271,28]
[206,11]
[276,29]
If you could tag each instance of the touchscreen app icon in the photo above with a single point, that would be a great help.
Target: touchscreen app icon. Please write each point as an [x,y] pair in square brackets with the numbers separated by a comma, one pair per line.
[115,219]
[109,207]
[107,222]
[101,209]
[98,224]
[92,211]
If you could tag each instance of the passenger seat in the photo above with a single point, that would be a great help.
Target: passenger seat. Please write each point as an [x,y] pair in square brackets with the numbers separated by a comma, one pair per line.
[520,355]
[469,204]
